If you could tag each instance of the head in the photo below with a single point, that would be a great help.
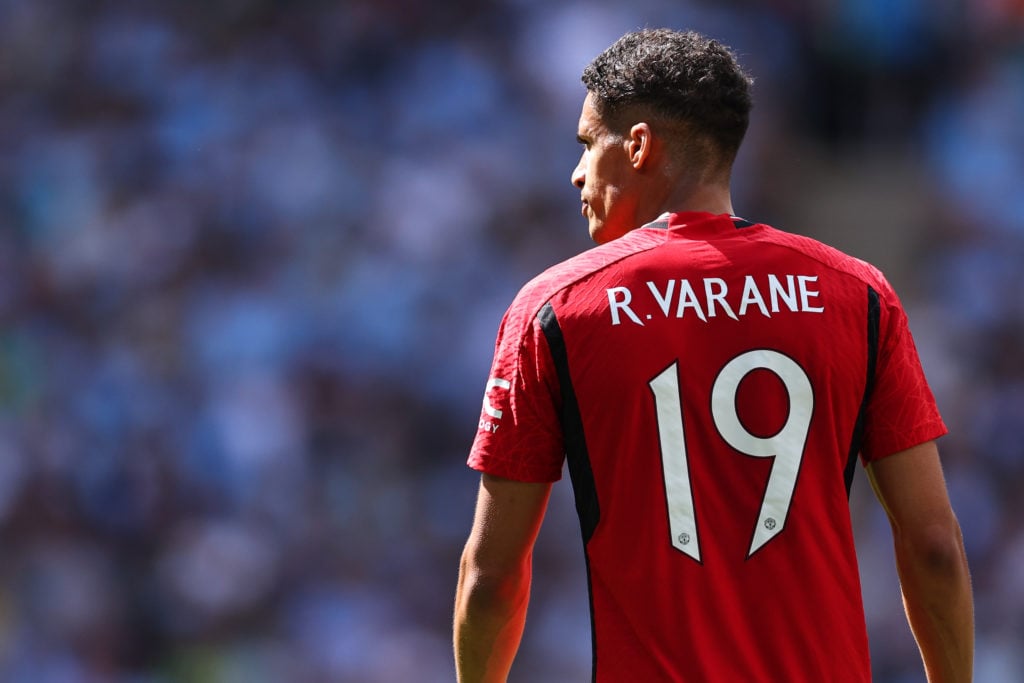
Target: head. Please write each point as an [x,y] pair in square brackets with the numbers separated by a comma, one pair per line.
[664,115]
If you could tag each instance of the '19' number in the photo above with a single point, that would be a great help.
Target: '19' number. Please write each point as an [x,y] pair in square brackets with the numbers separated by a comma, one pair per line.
[786,446]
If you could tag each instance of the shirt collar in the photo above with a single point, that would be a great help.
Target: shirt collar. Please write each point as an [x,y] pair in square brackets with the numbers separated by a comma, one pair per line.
[697,220]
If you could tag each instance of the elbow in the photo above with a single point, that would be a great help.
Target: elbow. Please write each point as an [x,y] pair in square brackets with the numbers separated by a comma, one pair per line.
[936,549]
[499,588]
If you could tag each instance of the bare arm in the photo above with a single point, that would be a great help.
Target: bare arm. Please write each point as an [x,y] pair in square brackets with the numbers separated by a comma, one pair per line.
[494,578]
[930,560]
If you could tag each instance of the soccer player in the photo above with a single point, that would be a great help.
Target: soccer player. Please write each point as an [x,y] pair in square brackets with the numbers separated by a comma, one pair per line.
[712,383]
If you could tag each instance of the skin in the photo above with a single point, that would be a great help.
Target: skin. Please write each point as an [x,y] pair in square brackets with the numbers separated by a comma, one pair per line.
[626,180]
[930,560]
[494,577]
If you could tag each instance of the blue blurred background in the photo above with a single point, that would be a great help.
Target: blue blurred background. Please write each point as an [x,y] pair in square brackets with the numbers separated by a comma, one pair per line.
[253,256]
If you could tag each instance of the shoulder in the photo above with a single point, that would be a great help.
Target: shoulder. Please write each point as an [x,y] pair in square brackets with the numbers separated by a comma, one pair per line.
[831,258]
[548,284]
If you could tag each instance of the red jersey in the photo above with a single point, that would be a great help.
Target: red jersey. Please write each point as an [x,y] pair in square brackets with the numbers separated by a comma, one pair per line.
[711,383]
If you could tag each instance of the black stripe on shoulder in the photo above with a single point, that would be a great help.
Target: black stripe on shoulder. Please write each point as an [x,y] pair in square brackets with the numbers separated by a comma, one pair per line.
[873,322]
[576,454]
[741,223]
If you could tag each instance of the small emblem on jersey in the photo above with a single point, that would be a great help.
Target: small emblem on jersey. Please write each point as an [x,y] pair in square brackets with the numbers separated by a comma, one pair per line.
[489,420]
[684,539]
[769,523]
[494,382]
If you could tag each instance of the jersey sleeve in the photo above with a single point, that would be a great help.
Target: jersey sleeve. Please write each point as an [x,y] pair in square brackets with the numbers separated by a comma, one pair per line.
[901,411]
[519,434]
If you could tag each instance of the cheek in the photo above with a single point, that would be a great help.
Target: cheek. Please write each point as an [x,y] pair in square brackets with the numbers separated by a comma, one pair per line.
[597,182]
[610,194]
[606,175]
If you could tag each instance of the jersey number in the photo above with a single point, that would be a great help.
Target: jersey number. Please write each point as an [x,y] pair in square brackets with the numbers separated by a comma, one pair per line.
[786,446]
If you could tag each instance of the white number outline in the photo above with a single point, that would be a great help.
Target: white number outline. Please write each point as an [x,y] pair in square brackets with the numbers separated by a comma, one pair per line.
[785,447]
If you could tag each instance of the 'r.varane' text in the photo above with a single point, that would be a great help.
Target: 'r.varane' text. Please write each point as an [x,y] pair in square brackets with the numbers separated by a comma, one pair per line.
[711,297]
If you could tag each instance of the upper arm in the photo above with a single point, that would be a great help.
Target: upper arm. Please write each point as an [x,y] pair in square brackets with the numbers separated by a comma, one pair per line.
[911,487]
[507,519]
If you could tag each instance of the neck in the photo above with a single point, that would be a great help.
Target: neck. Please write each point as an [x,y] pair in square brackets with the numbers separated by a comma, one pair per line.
[714,199]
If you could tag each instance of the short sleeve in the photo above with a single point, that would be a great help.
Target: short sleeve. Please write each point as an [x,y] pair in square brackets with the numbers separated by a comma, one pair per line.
[901,411]
[519,435]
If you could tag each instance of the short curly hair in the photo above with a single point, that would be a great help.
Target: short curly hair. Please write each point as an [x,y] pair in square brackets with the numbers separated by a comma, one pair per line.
[679,75]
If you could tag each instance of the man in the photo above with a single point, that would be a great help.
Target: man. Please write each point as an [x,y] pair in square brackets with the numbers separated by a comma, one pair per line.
[711,383]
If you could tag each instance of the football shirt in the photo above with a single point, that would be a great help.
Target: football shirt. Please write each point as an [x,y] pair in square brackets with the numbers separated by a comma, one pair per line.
[711,383]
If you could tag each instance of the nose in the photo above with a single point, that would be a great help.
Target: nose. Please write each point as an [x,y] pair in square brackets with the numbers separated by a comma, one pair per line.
[578,175]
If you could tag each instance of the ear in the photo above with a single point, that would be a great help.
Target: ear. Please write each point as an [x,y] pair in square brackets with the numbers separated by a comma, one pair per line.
[639,144]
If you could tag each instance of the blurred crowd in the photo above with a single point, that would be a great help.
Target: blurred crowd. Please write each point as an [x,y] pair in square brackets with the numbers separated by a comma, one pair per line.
[253,256]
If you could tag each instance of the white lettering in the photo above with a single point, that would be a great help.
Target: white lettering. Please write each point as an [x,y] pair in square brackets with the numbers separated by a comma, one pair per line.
[688,299]
[711,297]
[788,294]
[663,301]
[805,294]
[751,295]
[623,305]
[718,296]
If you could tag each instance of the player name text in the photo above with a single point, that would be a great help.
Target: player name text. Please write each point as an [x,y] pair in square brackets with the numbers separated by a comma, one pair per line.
[711,297]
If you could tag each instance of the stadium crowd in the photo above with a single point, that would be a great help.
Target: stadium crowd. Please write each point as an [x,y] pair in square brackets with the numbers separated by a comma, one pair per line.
[253,256]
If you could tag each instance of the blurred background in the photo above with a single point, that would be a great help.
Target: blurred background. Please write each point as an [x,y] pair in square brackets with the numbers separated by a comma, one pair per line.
[253,257]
